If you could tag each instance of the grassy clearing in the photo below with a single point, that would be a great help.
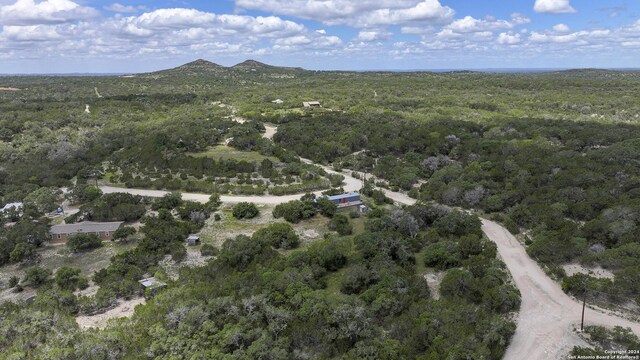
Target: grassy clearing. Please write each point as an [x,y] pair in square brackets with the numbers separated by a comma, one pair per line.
[226,153]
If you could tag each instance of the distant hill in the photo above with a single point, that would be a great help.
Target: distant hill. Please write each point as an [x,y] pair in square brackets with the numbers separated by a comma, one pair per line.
[198,67]
[253,65]
[202,67]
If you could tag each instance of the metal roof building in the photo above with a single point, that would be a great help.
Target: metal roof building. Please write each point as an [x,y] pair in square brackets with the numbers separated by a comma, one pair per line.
[85,227]
[346,199]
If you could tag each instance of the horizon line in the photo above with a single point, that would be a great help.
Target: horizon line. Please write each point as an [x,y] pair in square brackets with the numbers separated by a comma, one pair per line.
[484,70]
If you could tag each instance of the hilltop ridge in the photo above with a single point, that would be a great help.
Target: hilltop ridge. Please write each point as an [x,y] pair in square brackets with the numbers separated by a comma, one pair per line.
[205,67]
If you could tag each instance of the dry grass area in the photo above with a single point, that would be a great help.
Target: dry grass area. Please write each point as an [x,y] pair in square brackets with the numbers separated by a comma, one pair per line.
[124,309]
[216,232]
[55,256]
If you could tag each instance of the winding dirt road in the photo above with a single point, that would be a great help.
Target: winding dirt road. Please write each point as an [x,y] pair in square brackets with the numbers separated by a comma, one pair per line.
[547,317]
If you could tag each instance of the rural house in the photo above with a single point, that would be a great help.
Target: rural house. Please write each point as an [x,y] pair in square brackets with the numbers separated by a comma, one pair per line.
[346,200]
[104,230]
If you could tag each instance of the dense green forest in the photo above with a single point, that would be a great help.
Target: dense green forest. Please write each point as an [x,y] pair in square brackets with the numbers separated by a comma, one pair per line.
[553,156]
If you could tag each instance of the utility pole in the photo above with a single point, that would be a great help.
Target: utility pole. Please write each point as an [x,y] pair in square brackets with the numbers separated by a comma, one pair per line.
[584,304]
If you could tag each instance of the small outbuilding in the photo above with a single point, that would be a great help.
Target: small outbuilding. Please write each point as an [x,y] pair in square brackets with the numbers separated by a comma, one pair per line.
[152,285]
[311,104]
[193,240]
[278,101]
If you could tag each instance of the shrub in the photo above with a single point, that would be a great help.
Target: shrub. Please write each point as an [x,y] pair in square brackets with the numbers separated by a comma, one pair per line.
[22,251]
[13,281]
[294,211]
[68,278]
[341,224]
[209,250]
[278,235]
[245,210]
[37,276]
[327,207]
[442,255]
[123,233]
[79,242]
[178,253]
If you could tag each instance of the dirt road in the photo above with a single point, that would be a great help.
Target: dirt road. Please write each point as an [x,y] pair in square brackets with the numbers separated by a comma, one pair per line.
[547,315]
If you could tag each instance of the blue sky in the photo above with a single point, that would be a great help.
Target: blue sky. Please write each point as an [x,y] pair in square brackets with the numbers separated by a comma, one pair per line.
[58,36]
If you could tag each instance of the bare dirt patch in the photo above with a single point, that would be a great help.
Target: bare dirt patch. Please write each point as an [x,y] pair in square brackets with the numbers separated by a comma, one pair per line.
[8,89]
[434,278]
[597,271]
[124,309]
[194,259]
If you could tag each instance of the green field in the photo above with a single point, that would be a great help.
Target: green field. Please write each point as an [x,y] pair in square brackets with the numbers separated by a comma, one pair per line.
[227,153]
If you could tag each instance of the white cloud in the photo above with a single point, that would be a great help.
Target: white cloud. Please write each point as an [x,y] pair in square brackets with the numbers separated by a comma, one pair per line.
[29,12]
[561,28]
[469,24]
[30,33]
[367,35]
[119,8]
[364,13]
[508,39]
[553,6]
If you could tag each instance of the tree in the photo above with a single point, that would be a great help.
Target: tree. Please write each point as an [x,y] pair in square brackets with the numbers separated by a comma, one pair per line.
[169,202]
[278,235]
[341,224]
[83,193]
[327,207]
[79,242]
[459,283]
[295,211]
[68,278]
[36,276]
[214,202]
[209,250]
[46,199]
[245,210]
[22,251]
[124,233]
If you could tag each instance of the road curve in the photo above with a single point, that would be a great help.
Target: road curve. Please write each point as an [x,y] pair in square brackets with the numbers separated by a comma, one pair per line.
[547,317]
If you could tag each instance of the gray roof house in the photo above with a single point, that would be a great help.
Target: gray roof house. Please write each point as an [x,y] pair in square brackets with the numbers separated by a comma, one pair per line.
[103,229]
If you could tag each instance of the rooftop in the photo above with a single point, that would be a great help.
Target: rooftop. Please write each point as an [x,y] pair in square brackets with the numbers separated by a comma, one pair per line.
[152,283]
[17,205]
[85,227]
[342,196]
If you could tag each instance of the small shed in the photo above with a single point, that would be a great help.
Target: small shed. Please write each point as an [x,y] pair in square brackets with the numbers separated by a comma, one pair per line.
[311,104]
[193,240]
[152,285]
[278,101]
